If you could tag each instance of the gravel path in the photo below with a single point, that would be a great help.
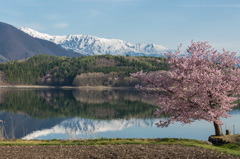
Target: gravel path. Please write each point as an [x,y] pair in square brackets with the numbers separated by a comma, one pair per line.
[111,151]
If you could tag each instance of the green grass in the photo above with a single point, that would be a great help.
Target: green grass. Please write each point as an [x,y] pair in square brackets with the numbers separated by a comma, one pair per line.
[233,149]
[235,139]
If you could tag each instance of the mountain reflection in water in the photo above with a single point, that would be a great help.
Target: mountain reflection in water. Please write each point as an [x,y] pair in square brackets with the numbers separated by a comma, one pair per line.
[26,110]
[67,114]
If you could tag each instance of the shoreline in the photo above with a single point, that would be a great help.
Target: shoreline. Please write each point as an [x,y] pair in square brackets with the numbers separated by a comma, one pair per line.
[66,87]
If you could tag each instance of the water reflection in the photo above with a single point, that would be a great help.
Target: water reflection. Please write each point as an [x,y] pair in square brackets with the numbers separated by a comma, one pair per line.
[69,114]
[94,104]
[82,128]
[26,110]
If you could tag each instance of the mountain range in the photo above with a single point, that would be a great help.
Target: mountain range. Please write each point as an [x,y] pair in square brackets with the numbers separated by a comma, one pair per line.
[91,45]
[15,45]
[25,42]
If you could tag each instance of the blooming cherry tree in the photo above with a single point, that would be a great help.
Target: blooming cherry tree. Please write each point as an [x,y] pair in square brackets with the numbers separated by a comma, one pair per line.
[200,86]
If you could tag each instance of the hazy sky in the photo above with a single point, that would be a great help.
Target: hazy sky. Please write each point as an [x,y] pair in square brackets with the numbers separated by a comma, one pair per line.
[163,22]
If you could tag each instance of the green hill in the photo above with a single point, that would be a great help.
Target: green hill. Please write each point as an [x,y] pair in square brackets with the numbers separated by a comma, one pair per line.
[106,70]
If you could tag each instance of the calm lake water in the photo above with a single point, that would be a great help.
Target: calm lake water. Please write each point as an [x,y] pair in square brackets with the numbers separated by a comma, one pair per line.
[83,114]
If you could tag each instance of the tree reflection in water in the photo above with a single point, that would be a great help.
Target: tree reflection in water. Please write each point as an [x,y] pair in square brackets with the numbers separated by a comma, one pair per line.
[26,110]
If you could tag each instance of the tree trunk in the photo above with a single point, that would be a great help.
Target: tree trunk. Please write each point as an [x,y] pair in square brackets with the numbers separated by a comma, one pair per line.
[218,129]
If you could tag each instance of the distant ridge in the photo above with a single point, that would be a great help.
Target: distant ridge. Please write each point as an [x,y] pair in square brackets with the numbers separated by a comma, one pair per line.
[15,45]
[91,45]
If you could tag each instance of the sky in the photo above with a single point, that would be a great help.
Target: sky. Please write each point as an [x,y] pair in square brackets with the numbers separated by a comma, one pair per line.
[164,22]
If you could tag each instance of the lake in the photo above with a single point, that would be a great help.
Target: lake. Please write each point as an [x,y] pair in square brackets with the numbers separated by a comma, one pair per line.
[85,114]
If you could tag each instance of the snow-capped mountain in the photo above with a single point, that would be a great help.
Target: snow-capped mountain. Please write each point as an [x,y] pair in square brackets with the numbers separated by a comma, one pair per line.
[91,45]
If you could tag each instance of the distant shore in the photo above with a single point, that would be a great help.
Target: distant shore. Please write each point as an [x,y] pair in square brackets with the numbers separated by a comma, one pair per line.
[64,87]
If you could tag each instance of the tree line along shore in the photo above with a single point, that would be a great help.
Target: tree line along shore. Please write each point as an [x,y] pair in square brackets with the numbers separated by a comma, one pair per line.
[101,70]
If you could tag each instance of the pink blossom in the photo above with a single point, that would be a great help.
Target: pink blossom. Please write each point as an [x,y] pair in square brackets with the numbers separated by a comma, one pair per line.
[200,86]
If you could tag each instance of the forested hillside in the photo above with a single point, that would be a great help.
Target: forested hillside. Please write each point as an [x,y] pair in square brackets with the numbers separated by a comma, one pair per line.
[104,70]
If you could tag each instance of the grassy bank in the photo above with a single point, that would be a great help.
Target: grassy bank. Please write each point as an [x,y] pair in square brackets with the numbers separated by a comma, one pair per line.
[233,149]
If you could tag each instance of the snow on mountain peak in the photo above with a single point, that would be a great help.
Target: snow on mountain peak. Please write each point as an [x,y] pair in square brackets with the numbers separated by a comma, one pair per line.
[36,34]
[91,45]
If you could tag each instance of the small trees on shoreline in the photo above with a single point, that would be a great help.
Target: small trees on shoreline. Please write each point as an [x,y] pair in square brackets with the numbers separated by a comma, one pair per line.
[199,86]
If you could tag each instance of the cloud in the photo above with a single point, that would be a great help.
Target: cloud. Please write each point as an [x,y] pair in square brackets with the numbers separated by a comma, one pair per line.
[61,25]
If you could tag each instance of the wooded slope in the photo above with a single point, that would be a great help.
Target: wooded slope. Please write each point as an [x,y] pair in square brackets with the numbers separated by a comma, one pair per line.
[106,70]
